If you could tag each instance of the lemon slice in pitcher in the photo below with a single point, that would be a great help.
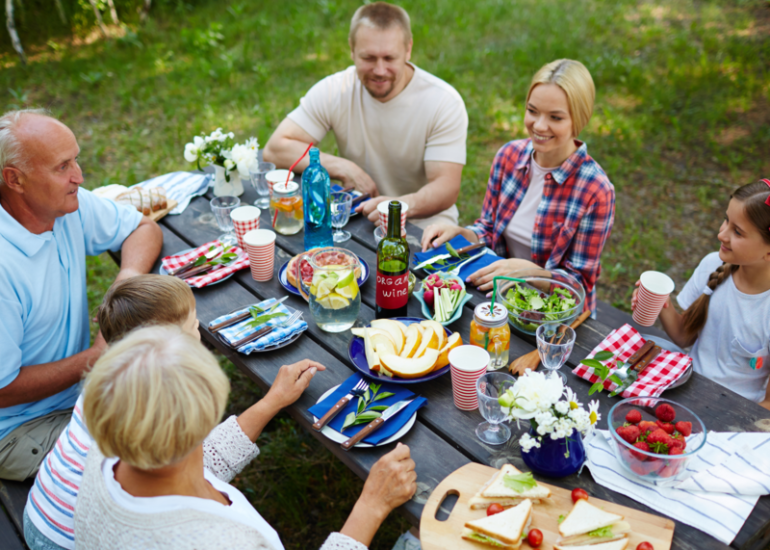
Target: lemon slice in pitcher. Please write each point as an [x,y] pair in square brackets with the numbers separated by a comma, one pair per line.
[333,301]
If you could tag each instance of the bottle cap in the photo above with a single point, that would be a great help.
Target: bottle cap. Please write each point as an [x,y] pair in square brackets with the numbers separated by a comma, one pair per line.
[285,188]
[485,316]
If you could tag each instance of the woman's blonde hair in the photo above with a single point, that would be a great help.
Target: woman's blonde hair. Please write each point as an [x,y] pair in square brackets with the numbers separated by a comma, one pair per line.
[153,397]
[572,77]
[144,300]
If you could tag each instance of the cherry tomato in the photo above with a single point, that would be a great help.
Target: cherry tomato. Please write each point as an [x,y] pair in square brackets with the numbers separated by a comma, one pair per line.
[535,538]
[494,509]
[645,546]
[577,494]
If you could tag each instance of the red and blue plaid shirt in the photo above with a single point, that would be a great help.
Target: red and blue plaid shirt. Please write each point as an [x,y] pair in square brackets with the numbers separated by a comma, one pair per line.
[573,220]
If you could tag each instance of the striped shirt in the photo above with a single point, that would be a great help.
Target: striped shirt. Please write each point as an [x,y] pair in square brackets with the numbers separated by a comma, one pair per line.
[51,502]
[573,220]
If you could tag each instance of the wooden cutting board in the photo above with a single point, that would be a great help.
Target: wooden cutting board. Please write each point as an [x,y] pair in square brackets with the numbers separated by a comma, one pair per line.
[158,214]
[466,481]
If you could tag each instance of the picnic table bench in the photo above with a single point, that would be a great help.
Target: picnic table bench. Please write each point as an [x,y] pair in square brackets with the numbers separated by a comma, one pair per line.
[442,439]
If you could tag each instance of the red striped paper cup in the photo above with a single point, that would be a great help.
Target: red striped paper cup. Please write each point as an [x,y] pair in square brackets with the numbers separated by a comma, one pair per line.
[245,219]
[260,246]
[382,210]
[654,290]
[466,365]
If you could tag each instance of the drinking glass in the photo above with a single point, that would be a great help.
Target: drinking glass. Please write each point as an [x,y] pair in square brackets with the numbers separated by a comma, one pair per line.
[221,207]
[489,388]
[341,203]
[554,344]
[261,186]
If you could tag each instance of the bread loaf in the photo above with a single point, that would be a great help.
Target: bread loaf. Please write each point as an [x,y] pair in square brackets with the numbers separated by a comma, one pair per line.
[145,201]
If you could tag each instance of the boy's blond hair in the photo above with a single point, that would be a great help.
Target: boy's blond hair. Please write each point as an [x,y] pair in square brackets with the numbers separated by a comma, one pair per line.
[572,77]
[153,397]
[144,300]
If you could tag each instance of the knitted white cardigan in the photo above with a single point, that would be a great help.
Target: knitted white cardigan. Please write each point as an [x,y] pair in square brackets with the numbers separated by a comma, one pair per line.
[102,524]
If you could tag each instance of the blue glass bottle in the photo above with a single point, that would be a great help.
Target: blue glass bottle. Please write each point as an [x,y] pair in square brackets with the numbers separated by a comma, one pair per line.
[316,195]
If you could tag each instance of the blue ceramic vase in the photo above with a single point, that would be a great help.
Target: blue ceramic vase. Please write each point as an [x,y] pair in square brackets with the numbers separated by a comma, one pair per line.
[550,460]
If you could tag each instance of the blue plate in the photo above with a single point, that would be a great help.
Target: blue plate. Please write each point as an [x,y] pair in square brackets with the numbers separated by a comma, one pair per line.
[357,355]
[284,280]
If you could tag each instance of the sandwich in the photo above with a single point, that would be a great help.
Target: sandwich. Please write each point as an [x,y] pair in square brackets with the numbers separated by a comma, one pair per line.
[587,525]
[509,487]
[614,545]
[504,530]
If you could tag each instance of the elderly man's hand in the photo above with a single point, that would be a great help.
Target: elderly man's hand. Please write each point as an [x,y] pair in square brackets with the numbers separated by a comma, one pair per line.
[368,209]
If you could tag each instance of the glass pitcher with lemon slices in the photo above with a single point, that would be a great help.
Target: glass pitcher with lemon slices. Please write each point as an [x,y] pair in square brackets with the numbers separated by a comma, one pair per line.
[333,292]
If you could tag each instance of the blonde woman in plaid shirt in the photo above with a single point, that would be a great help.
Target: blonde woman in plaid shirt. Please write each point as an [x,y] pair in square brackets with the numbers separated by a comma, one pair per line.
[548,203]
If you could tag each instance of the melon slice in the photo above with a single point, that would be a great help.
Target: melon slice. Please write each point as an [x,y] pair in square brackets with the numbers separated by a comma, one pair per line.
[371,357]
[410,368]
[429,341]
[383,348]
[393,329]
[402,326]
[443,357]
[358,331]
[439,330]
[413,338]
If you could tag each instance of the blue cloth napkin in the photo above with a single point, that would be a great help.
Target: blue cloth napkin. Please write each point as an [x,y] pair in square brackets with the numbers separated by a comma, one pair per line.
[389,428]
[458,242]
[180,186]
[277,336]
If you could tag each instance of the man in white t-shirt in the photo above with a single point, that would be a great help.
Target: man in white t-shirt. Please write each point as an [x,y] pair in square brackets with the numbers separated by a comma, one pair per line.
[400,131]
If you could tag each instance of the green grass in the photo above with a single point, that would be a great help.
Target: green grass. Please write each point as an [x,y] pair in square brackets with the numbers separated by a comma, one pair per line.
[682,117]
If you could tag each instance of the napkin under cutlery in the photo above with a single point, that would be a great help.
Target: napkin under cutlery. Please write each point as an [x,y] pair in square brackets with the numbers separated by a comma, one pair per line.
[278,335]
[388,429]
[483,259]
[663,371]
[176,261]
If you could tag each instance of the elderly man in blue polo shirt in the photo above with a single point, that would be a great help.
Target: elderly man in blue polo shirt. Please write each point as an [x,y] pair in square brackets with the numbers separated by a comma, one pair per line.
[48,224]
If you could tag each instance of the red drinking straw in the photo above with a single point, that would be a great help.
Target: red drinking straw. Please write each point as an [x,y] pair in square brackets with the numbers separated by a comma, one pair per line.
[288,177]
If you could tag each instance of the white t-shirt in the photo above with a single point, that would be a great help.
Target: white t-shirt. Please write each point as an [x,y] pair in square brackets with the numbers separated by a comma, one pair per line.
[518,233]
[733,347]
[240,509]
[390,141]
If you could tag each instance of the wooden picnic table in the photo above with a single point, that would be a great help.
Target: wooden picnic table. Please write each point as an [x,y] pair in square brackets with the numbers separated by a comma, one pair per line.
[443,437]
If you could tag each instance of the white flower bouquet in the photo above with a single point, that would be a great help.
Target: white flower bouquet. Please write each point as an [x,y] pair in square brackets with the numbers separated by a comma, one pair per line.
[552,409]
[220,149]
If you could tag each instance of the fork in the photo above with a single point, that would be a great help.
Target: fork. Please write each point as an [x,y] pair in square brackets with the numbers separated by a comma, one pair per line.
[267,330]
[357,391]
[456,269]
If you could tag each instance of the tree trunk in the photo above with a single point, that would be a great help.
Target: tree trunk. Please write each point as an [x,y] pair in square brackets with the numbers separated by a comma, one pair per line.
[145,10]
[60,9]
[9,23]
[113,12]
[98,16]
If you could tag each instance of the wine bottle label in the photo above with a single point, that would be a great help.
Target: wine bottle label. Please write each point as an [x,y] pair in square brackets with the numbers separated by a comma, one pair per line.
[392,290]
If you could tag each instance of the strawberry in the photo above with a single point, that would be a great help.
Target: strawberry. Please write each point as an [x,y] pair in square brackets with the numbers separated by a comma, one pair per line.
[642,446]
[665,413]
[675,451]
[659,441]
[676,443]
[684,428]
[646,426]
[670,469]
[634,416]
[666,427]
[628,433]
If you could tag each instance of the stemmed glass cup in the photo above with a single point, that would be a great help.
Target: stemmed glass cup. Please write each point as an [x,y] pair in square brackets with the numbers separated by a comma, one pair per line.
[260,183]
[489,388]
[554,345]
[221,207]
[341,203]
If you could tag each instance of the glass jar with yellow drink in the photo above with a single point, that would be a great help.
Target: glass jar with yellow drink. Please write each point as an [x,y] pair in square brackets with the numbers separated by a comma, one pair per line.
[490,330]
[286,212]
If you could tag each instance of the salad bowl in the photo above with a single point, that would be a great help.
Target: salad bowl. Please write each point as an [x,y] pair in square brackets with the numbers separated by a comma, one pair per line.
[545,297]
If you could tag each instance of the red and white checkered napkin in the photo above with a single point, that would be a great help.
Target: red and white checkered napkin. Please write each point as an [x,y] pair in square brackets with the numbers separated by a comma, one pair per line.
[177,261]
[660,374]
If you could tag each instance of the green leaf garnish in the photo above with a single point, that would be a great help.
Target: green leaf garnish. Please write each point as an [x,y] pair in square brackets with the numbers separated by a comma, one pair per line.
[604,355]
[561,518]
[452,251]
[262,319]
[383,395]
[365,412]
[601,532]
[519,482]
[484,538]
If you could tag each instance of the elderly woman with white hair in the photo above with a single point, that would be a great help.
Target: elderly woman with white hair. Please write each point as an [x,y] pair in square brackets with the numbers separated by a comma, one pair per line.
[548,203]
[150,401]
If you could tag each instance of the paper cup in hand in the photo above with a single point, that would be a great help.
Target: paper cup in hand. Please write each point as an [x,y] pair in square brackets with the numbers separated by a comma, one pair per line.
[245,219]
[653,292]
[382,210]
[260,246]
[466,365]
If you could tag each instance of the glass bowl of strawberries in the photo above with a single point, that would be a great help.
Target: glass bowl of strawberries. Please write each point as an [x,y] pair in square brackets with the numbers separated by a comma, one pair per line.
[654,438]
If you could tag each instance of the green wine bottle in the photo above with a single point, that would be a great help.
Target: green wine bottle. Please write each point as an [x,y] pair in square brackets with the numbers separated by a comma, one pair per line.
[392,268]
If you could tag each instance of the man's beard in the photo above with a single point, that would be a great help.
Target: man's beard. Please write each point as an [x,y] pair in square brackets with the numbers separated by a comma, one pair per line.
[380,95]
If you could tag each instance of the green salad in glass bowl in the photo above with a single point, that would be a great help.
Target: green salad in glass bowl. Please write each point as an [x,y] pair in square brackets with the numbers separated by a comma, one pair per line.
[545,297]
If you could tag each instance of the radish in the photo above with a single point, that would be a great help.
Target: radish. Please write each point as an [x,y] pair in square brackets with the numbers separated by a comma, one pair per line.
[455,286]
[427,295]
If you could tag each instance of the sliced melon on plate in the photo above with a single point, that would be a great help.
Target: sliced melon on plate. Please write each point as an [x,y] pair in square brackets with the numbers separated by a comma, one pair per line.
[443,357]
[413,338]
[393,329]
[429,341]
[410,368]
[371,357]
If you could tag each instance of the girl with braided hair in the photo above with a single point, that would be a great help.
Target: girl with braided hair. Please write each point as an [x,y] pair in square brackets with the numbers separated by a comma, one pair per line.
[726,302]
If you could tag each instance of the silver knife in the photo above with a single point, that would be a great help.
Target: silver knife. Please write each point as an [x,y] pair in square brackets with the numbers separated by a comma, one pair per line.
[377,422]
[440,257]
[210,255]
